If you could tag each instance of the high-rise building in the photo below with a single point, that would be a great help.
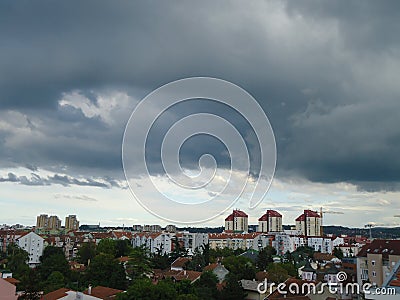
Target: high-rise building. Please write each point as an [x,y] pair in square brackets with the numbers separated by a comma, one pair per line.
[271,221]
[42,221]
[309,223]
[71,223]
[237,221]
[54,222]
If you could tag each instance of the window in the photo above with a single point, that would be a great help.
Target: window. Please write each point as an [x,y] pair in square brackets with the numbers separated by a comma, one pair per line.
[373,274]
[373,262]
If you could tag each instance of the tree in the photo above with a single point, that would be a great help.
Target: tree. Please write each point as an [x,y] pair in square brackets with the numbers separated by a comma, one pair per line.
[53,259]
[277,273]
[86,252]
[233,289]
[198,262]
[55,281]
[290,269]
[105,270]
[30,285]
[241,266]
[338,252]
[143,289]
[178,251]
[206,253]
[107,246]
[139,264]
[16,260]
[265,257]
[206,286]
[140,289]
[160,261]
[122,248]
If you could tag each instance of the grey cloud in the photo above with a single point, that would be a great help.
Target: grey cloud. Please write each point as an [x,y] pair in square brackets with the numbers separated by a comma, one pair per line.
[326,77]
[37,180]
[77,197]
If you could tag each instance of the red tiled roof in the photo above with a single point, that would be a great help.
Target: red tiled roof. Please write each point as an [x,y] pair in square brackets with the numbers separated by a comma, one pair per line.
[384,247]
[307,214]
[123,259]
[102,235]
[235,214]
[323,256]
[57,294]
[268,214]
[12,280]
[180,262]
[226,235]
[261,275]
[396,282]
[121,234]
[103,292]
[188,275]
[210,267]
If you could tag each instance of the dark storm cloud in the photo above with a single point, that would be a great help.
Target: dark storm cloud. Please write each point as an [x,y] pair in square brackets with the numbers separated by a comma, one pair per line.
[326,75]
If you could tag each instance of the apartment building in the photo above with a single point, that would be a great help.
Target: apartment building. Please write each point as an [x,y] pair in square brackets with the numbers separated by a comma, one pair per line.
[254,240]
[33,244]
[71,223]
[376,260]
[156,242]
[271,221]
[309,223]
[152,228]
[54,222]
[237,221]
[320,244]
[42,221]
[191,241]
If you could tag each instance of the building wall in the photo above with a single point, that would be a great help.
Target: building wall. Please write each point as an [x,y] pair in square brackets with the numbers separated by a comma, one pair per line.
[375,272]
[7,290]
[228,225]
[71,223]
[33,244]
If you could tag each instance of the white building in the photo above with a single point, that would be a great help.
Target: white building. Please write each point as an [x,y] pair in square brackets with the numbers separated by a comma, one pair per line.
[320,244]
[271,221]
[191,241]
[254,240]
[237,221]
[309,223]
[156,242]
[283,243]
[33,244]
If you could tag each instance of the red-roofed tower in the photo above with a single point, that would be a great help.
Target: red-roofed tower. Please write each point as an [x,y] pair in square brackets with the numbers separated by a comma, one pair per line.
[237,221]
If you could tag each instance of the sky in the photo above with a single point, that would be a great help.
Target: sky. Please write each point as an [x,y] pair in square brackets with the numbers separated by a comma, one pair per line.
[326,75]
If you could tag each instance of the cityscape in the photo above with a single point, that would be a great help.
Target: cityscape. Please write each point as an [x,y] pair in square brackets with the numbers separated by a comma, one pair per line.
[200,150]
[233,253]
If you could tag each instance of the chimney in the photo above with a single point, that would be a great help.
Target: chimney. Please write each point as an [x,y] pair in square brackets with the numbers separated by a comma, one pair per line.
[184,272]
[90,289]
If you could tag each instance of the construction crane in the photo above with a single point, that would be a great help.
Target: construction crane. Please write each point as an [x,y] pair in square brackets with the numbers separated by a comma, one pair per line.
[322,212]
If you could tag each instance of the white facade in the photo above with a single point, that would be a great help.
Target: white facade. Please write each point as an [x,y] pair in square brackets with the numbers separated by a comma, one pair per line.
[320,244]
[283,243]
[155,242]
[191,241]
[33,244]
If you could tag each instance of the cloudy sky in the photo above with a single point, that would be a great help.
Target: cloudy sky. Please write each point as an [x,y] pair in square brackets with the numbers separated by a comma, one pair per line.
[326,75]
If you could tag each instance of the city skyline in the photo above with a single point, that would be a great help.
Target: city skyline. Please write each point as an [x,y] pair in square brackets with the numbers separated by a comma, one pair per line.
[330,93]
